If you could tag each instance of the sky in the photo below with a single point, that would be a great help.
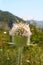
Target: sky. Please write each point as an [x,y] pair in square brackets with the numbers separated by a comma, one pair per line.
[26,9]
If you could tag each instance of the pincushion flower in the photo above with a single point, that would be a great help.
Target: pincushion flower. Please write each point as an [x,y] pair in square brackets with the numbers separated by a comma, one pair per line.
[21,33]
[22,29]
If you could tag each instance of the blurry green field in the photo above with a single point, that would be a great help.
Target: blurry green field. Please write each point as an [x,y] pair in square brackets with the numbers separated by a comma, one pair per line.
[32,54]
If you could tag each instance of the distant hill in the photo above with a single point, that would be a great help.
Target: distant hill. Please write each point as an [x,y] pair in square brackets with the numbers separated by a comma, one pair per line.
[39,24]
[7,19]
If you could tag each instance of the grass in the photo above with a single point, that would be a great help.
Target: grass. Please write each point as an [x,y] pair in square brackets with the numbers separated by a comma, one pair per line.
[8,55]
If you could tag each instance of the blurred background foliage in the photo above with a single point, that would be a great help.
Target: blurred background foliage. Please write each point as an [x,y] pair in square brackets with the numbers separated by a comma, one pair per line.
[32,54]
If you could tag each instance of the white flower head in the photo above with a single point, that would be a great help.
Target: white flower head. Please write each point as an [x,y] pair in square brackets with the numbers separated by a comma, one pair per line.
[22,29]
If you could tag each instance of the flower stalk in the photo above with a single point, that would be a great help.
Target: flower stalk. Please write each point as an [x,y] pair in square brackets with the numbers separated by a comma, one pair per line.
[20,55]
[21,33]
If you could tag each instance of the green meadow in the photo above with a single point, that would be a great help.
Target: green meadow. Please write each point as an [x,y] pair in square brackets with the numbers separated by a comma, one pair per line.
[31,55]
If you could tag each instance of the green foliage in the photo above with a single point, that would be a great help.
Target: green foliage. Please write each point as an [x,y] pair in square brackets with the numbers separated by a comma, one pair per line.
[32,55]
[37,35]
[20,41]
[4,38]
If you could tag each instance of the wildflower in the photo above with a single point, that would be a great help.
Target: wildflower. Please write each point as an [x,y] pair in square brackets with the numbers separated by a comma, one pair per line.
[22,29]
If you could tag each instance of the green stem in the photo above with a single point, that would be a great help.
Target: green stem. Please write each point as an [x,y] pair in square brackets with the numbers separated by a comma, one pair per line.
[20,56]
